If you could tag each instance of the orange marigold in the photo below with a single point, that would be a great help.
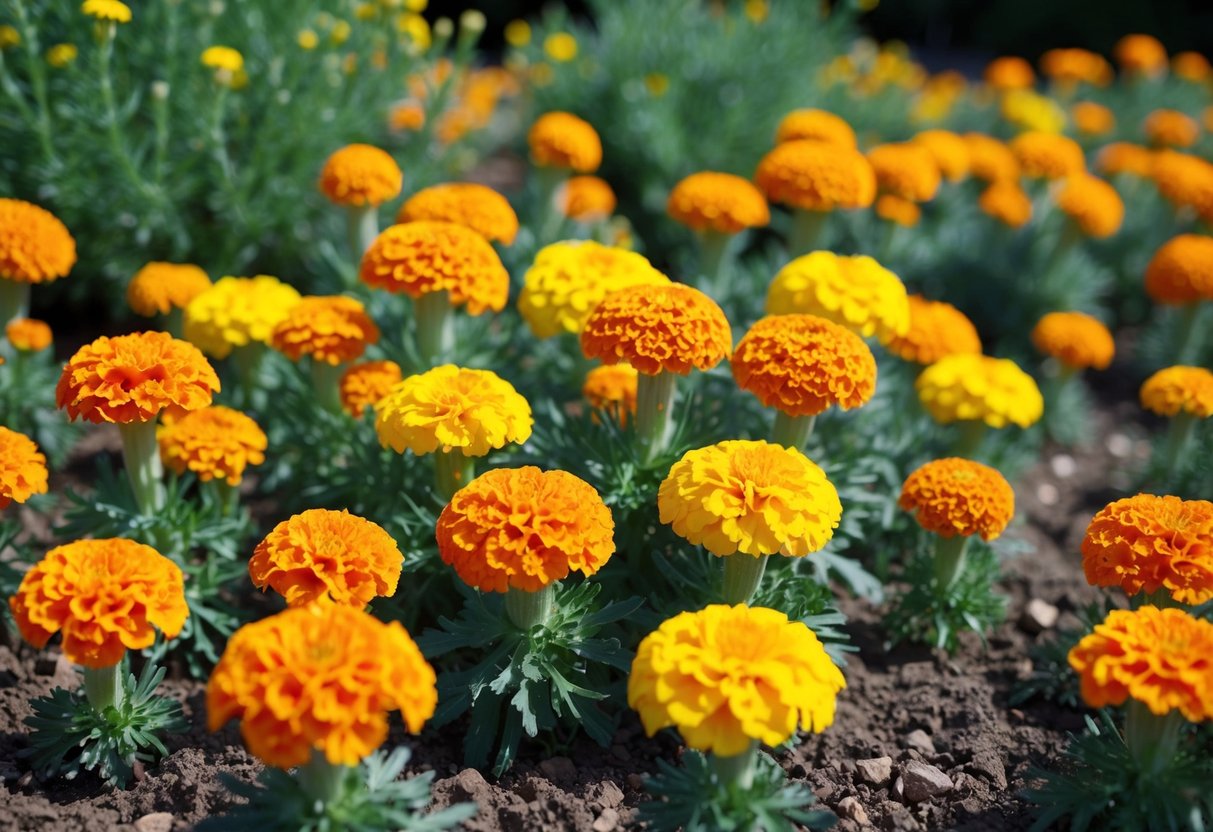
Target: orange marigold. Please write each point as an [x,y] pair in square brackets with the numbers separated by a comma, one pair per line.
[1093,204]
[159,288]
[332,329]
[421,257]
[936,330]
[990,159]
[1175,389]
[360,174]
[817,125]
[562,140]
[1092,119]
[364,385]
[35,247]
[1075,339]
[1186,181]
[1181,271]
[105,596]
[1171,128]
[815,176]
[28,334]
[612,388]
[586,199]
[1071,66]
[957,496]
[524,528]
[1006,202]
[22,468]
[1140,53]
[949,151]
[1191,66]
[1010,73]
[905,169]
[1047,155]
[131,378]
[319,678]
[898,209]
[216,443]
[658,329]
[1124,157]
[469,204]
[719,202]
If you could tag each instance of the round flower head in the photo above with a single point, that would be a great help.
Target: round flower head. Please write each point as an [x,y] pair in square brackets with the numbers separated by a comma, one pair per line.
[1191,66]
[1073,66]
[1026,110]
[898,209]
[451,408]
[1124,157]
[364,385]
[236,312]
[332,329]
[671,328]
[956,496]
[35,247]
[936,329]
[586,199]
[727,676]
[1181,271]
[1047,155]
[105,596]
[131,378]
[612,388]
[815,176]
[1171,128]
[28,334]
[1010,73]
[1184,180]
[1005,201]
[906,170]
[1092,119]
[360,174]
[752,497]
[421,257]
[972,387]
[159,288]
[990,159]
[815,125]
[1161,658]
[319,678]
[562,140]
[1147,543]
[1093,204]
[1179,389]
[223,58]
[854,291]
[523,528]
[569,279]
[112,11]
[1141,53]
[474,206]
[949,151]
[1075,339]
[719,202]
[215,443]
[22,468]
[327,556]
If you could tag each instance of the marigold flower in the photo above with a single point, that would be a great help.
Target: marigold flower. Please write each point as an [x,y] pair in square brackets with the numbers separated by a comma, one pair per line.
[817,125]
[159,288]
[1124,157]
[22,468]
[228,65]
[1140,53]
[417,258]
[726,676]
[956,496]
[319,678]
[1191,66]
[898,209]
[105,596]
[1027,110]
[562,140]
[1147,543]
[61,54]
[1179,389]
[1009,73]
[113,11]
[719,202]
[1047,155]
[469,204]
[332,329]
[854,291]
[1092,119]
[971,387]
[906,170]
[360,174]
[662,328]
[35,247]
[936,329]
[28,334]
[1075,339]
[215,443]
[1071,66]
[1171,128]
[1184,180]
[586,199]
[561,47]
[949,151]
[236,312]
[365,385]
[1160,658]
[612,388]
[1181,271]
[1006,202]
[1093,204]
[9,37]
[990,159]
[815,176]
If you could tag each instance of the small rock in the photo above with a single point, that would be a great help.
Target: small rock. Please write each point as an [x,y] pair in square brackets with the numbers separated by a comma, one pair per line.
[920,741]
[155,822]
[1063,465]
[876,771]
[1038,616]
[989,765]
[923,781]
[469,784]
[1047,494]
[851,809]
[559,769]
[1120,445]
[636,782]
[899,789]
[825,791]
[607,821]
[611,795]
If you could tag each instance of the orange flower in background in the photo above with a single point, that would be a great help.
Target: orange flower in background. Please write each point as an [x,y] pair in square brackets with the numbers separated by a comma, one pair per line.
[421,257]
[854,291]
[131,378]
[562,140]
[35,247]
[360,175]
[1093,204]
[159,288]
[319,678]
[332,329]
[906,170]
[969,387]
[1141,53]
[1124,157]
[957,496]
[215,443]
[105,596]
[1047,155]
[1072,66]
[936,330]
[817,125]
[469,204]
[1147,543]
[22,468]
[1191,66]
[1009,73]
[28,334]
[1179,389]
[815,176]
[524,528]
[1076,340]
[949,151]
[1186,181]
[1171,128]
[719,202]
[671,328]
[897,209]
[1181,271]
[1092,119]
[586,199]
[990,159]
[1006,202]
[364,385]
[612,388]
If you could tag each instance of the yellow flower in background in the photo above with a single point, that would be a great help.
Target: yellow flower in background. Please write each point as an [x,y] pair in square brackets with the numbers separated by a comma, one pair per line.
[228,65]
[657,83]
[854,291]
[238,311]
[366,11]
[1030,111]
[9,37]
[307,39]
[112,11]
[340,32]
[561,47]
[416,6]
[979,388]
[417,29]
[757,10]
[61,54]
[517,33]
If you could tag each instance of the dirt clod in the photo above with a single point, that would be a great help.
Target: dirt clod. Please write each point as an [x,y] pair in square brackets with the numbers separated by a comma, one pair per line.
[922,781]
[875,772]
[920,741]
[1038,615]
[851,809]
[607,821]
[559,769]
[155,822]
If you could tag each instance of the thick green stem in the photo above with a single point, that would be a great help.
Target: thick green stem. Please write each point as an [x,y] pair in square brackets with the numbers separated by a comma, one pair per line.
[174,322]
[248,370]
[1160,598]
[949,560]
[792,431]
[1179,435]
[547,182]
[737,771]
[452,471]
[326,384]
[321,779]
[805,234]
[713,262]
[654,405]
[1190,336]
[972,432]
[742,575]
[103,687]
[435,327]
[1152,740]
[227,494]
[141,455]
[14,300]
[528,609]
[362,227]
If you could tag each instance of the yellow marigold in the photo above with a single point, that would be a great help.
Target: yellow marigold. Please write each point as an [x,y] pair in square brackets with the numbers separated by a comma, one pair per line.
[22,468]
[815,176]
[905,169]
[524,528]
[971,387]
[114,11]
[228,65]
[1171,128]
[332,329]
[1181,271]
[1027,110]
[1191,66]
[360,174]
[105,596]
[898,209]
[854,291]
[1124,157]
[364,385]
[1071,66]
[727,676]
[612,388]
[35,247]
[417,258]
[469,204]
[216,443]
[9,37]
[1161,658]
[560,47]
[562,140]
[1147,543]
[61,54]
[586,199]
[1092,119]
[957,496]
[1093,204]
[131,378]
[319,678]
[936,329]
[1010,73]
[237,311]
[719,202]
[159,288]
[1006,202]
[664,328]
[1047,155]
[990,159]
[1140,53]
[1186,181]
[569,279]
[1175,389]
[817,125]
[28,334]
[451,408]
[1075,339]
[949,151]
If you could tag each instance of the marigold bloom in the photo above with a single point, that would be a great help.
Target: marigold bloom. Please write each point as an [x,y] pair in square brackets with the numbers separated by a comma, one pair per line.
[1047,155]
[1181,271]
[612,388]
[1009,73]
[104,595]
[1124,157]
[1179,389]
[1191,66]
[1140,53]
[971,387]
[898,209]
[990,159]
[1027,110]
[562,140]
[332,329]
[905,169]
[719,202]
[28,334]
[815,176]
[1184,180]
[1092,119]
[319,678]
[1093,204]
[586,199]
[131,378]
[949,151]
[1147,543]
[671,328]
[35,247]
[854,291]
[22,468]
[936,329]
[1006,202]
[524,528]
[469,204]
[215,443]
[561,47]
[957,496]
[158,288]
[365,385]
[1171,128]
[360,174]
[726,676]
[1160,658]
[61,54]
[113,11]
[817,125]
[1075,339]
[417,258]
[236,312]
[1072,66]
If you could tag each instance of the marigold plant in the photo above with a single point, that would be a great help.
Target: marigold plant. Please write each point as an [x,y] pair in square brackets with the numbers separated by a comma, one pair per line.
[936,329]
[1047,155]
[1125,157]
[1181,271]
[1006,202]
[214,443]
[815,176]
[1191,66]
[1009,73]
[612,388]
[237,312]
[562,140]
[331,329]
[972,387]
[854,291]
[469,204]
[719,202]
[897,209]
[28,334]
[1092,119]
[949,151]
[1179,389]
[22,468]
[159,288]
[364,385]
[586,199]
[954,496]
[1075,339]
[1072,66]
[1140,53]
[360,175]
[112,11]
[990,159]
[35,247]
[906,170]
[1186,181]
[1171,128]
[816,125]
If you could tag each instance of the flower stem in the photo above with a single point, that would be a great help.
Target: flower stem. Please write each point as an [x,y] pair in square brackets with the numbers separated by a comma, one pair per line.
[713,261]
[362,227]
[435,327]
[972,432]
[103,687]
[949,560]
[654,404]
[174,322]
[547,183]
[248,367]
[452,471]
[742,575]
[1161,598]
[528,609]
[1152,740]
[1190,335]
[141,456]
[792,431]
[326,379]
[1179,434]
[805,234]
[736,771]
[14,300]
[321,779]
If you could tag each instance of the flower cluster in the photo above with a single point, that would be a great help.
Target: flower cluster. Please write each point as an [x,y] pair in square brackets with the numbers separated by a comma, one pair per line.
[1125,158]
[956,496]
[897,209]
[856,292]
[363,385]
[816,176]
[22,468]
[970,387]
[1075,339]
[1074,66]
[215,443]
[330,329]
[360,174]
[469,204]
[35,247]
[1174,390]
[719,202]
[937,329]
[236,312]
[159,288]
[1009,73]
